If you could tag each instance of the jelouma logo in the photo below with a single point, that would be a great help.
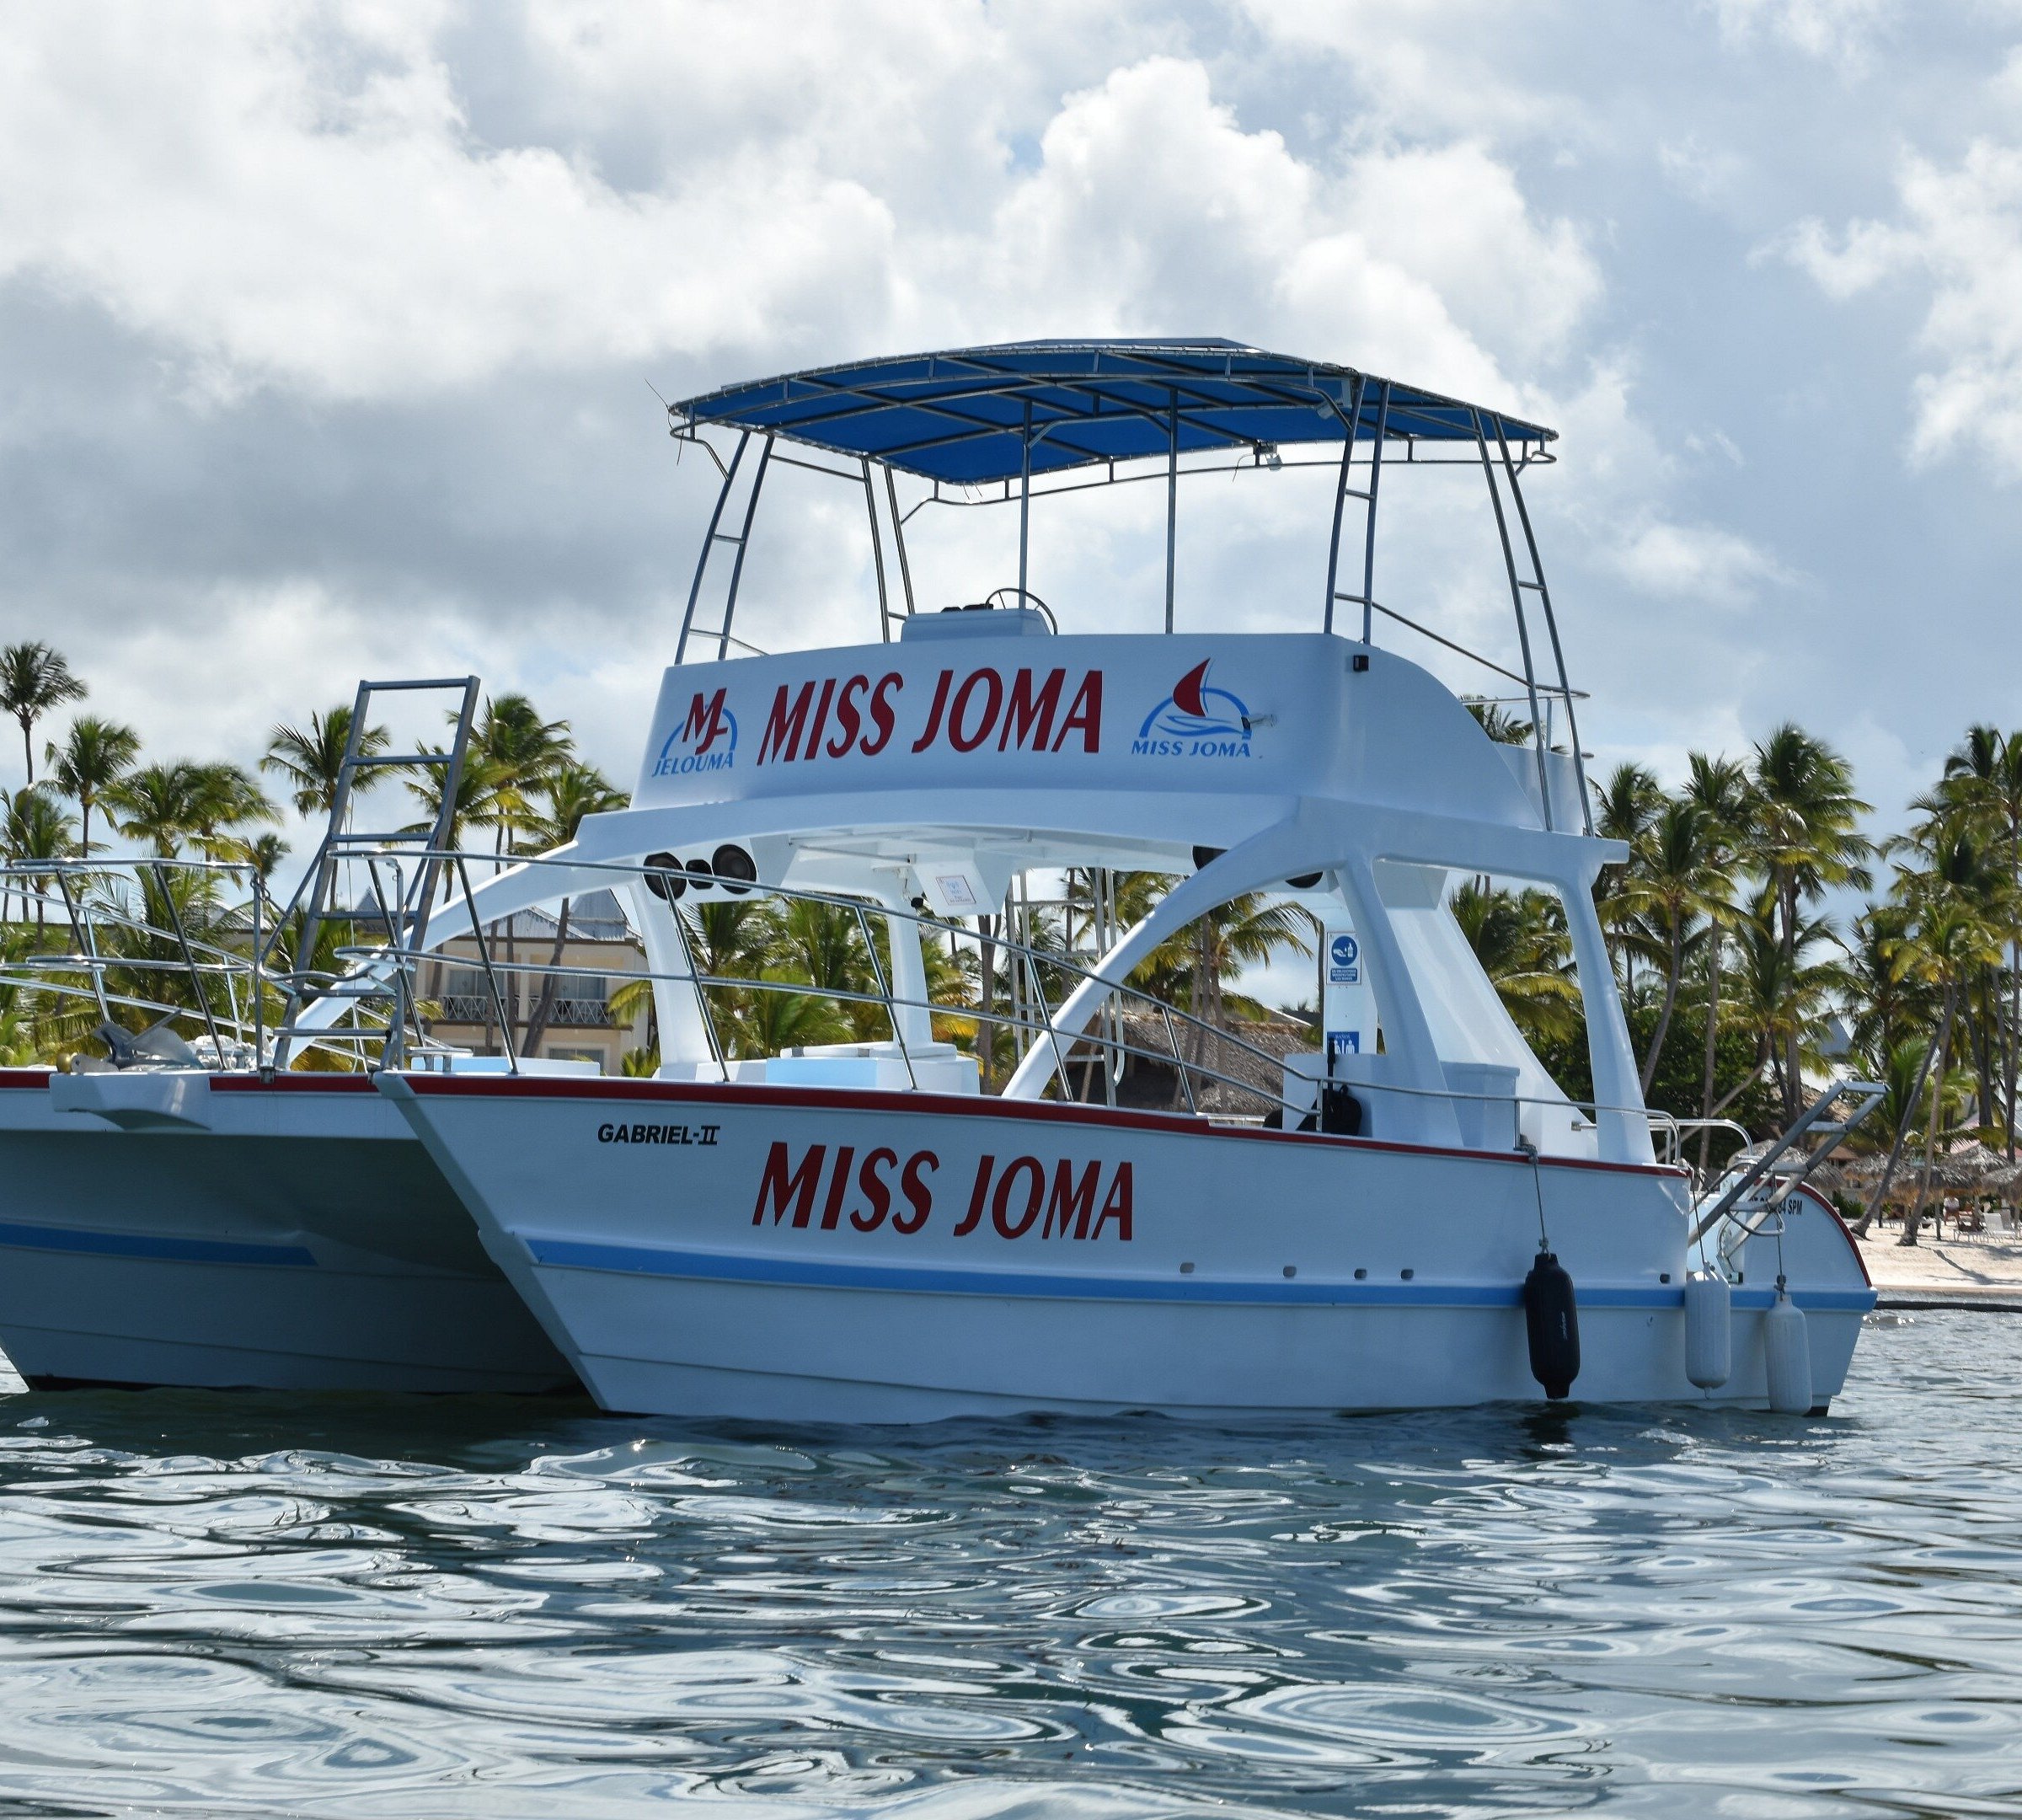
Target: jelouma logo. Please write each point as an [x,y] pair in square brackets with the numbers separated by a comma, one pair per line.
[704,740]
[1196,721]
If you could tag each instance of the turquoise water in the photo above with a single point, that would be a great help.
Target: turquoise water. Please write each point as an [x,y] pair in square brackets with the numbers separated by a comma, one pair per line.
[410,1608]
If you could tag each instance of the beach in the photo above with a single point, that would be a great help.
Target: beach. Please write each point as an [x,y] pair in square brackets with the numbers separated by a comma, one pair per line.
[1967,1273]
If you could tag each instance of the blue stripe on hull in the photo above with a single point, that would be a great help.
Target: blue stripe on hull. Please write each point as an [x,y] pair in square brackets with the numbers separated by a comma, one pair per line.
[153,1245]
[653,1260]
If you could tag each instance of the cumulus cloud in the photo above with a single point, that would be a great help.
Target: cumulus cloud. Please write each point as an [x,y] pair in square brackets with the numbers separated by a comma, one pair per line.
[350,305]
[293,195]
[1958,236]
[1837,31]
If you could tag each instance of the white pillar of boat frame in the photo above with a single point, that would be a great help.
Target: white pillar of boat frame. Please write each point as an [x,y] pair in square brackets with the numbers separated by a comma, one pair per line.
[1025,498]
[1516,588]
[685,1035]
[1411,1056]
[1551,625]
[1623,1134]
[911,1016]
[1343,493]
[1172,497]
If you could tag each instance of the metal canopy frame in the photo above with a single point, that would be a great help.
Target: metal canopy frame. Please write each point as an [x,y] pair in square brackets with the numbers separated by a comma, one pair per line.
[982,426]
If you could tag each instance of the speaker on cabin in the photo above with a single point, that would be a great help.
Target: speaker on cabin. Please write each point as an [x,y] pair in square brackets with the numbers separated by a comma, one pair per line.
[1204,857]
[731,862]
[699,878]
[664,878]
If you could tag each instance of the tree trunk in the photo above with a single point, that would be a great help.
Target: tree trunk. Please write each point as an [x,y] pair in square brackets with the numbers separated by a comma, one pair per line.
[1914,1217]
[536,1023]
[1793,1068]
[1902,1130]
[986,992]
[1713,1032]
[1670,1001]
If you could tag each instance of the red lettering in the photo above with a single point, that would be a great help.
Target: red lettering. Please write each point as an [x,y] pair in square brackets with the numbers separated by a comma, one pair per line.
[797,1186]
[1085,712]
[849,717]
[976,1196]
[918,1196]
[933,714]
[1072,1200]
[881,713]
[707,721]
[957,738]
[813,737]
[876,1190]
[838,1184]
[784,726]
[1117,1208]
[1000,1202]
[1028,716]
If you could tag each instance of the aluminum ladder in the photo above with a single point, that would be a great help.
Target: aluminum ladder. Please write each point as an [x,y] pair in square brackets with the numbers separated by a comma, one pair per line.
[407,911]
[1757,1193]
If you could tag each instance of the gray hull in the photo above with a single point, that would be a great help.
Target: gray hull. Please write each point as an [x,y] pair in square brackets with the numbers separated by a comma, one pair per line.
[290,1240]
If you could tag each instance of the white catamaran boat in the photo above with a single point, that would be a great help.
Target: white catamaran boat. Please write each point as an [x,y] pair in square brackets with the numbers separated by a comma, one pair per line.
[1414,1215]
[179,1213]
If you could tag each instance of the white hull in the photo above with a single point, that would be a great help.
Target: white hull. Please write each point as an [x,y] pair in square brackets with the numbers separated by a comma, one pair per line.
[293,1238]
[1325,1274]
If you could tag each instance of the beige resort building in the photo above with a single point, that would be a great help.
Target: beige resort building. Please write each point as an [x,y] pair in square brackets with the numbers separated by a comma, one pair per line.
[579,1025]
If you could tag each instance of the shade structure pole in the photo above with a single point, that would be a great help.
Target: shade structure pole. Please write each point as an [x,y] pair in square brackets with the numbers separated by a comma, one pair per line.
[708,542]
[877,553]
[744,541]
[1376,473]
[1551,622]
[898,540]
[1523,630]
[1172,498]
[1340,501]
[1025,498]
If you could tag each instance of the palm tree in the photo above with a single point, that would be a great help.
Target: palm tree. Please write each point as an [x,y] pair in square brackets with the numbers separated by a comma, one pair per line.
[1806,838]
[521,751]
[1499,723]
[34,678]
[262,853]
[94,756]
[156,803]
[1679,881]
[36,827]
[1625,806]
[1948,939]
[1718,787]
[572,793]
[1983,779]
[224,799]
[312,760]
[1520,939]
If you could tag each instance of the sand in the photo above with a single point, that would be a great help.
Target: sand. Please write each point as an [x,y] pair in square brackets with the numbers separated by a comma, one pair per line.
[1973,1272]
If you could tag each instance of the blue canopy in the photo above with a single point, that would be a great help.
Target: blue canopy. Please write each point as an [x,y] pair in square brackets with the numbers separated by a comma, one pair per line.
[962,415]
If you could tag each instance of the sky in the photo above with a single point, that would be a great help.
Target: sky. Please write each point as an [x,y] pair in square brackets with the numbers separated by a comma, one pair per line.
[330,336]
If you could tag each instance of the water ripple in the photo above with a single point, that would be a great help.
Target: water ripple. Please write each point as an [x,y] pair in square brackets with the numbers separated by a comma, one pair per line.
[399,1608]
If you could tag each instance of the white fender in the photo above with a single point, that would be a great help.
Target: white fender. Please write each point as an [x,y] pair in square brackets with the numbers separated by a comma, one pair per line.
[1709,1329]
[1787,1349]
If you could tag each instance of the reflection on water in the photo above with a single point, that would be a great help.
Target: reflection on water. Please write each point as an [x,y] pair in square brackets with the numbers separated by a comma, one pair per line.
[402,1608]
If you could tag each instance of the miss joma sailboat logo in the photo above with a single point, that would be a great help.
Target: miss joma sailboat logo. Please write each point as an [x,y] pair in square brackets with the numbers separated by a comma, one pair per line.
[1196,721]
